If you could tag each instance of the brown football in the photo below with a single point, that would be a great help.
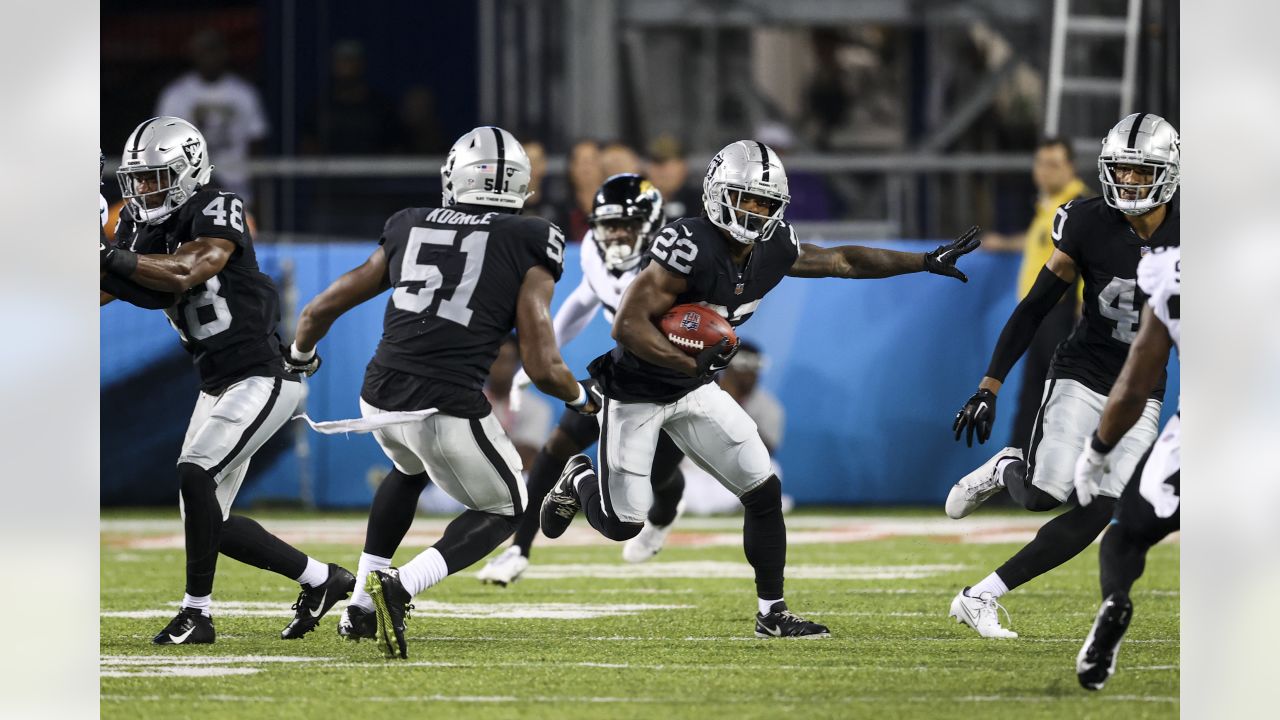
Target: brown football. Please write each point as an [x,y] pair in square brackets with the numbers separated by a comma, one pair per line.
[693,328]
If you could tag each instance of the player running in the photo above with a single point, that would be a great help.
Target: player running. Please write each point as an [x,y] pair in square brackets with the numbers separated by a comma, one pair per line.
[726,260]
[462,276]
[1101,240]
[625,215]
[185,249]
[1150,506]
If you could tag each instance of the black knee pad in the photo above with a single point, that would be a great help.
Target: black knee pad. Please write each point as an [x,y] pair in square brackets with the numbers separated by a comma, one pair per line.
[412,482]
[193,478]
[765,498]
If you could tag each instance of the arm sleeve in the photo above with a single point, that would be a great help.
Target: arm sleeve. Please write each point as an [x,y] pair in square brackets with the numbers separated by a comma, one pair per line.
[1026,318]
[575,313]
[135,294]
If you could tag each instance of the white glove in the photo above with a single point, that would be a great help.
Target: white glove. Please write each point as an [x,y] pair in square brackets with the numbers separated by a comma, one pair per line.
[518,385]
[1089,469]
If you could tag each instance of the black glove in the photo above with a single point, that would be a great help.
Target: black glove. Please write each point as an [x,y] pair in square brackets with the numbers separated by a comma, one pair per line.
[979,412]
[116,260]
[942,261]
[294,363]
[594,400]
[716,358]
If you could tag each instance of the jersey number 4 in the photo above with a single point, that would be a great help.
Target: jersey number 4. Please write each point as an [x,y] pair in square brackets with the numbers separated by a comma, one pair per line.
[1118,302]
[418,299]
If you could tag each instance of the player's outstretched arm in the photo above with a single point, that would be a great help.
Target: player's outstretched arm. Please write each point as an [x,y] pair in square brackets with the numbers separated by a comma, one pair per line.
[857,262]
[650,296]
[1147,358]
[193,263]
[351,289]
[979,411]
[538,350]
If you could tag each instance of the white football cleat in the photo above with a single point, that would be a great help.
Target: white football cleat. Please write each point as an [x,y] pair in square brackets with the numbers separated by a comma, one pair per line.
[981,614]
[644,546]
[978,486]
[504,569]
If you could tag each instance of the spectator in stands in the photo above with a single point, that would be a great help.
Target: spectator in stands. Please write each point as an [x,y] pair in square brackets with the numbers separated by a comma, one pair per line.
[543,201]
[585,176]
[616,158]
[669,172]
[226,108]
[351,118]
[420,132]
[1056,182]
[811,197]
[827,97]
[703,494]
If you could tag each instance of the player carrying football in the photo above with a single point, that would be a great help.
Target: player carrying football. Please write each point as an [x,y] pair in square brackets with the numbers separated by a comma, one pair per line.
[462,276]
[726,260]
[185,249]
[1100,240]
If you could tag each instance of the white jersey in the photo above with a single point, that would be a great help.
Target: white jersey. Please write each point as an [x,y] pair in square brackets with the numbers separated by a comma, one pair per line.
[102,210]
[1160,278]
[599,288]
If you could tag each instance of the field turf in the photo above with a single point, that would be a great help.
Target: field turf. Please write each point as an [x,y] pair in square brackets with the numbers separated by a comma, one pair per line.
[585,635]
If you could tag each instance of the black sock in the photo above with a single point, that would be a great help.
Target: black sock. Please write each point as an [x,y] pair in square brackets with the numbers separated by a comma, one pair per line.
[392,511]
[666,496]
[245,540]
[203,527]
[1057,541]
[764,537]
[472,535]
[1121,561]
[1023,492]
[610,527]
[542,476]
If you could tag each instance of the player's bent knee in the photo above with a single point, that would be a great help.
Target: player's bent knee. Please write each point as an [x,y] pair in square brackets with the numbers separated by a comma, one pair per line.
[765,497]
[1038,500]
[620,531]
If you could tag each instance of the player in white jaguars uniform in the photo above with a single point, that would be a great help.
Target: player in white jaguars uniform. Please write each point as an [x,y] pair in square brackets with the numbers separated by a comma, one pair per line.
[625,215]
[1149,508]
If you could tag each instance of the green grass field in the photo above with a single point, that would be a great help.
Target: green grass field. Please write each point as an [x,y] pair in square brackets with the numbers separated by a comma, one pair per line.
[585,635]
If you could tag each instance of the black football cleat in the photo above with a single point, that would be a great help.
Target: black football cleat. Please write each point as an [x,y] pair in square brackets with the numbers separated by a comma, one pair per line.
[357,624]
[562,503]
[390,607]
[189,627]
[314,602]
[1096,661]
[782,623]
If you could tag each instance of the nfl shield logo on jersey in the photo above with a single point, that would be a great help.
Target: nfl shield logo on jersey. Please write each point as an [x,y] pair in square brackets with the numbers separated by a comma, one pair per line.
[690,321]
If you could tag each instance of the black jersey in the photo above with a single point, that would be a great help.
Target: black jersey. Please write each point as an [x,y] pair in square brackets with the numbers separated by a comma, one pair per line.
[699,251]
[456,275]
[1106,250]
[228,322]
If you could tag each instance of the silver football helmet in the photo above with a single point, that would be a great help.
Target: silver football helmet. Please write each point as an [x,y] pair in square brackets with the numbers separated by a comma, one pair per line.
[487,166]
[1142,140]
[165,162]
[751,168]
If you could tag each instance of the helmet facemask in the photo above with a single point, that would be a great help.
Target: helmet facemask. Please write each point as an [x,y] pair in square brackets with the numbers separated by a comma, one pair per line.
[164,195]
[1136,198]
[745,226]
[621,239]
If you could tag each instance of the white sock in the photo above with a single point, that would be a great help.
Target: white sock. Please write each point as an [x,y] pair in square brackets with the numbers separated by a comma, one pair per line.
[992,584]
[368,563]
[315,574]
[202,603]
[766,606]
[423,571]
[1001,465]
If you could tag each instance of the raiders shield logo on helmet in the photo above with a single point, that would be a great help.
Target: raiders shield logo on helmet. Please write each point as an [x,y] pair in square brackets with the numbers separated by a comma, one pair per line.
[193,150]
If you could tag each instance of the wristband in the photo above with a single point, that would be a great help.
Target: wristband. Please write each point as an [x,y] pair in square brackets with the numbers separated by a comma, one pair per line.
[121,262]
[297,354]
[1098,446]
[581,401]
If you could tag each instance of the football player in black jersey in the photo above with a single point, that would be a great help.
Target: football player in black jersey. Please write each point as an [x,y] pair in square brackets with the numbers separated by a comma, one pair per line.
[727,260]
[1100,240]
[184,248]
[462,276]
[625,215]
